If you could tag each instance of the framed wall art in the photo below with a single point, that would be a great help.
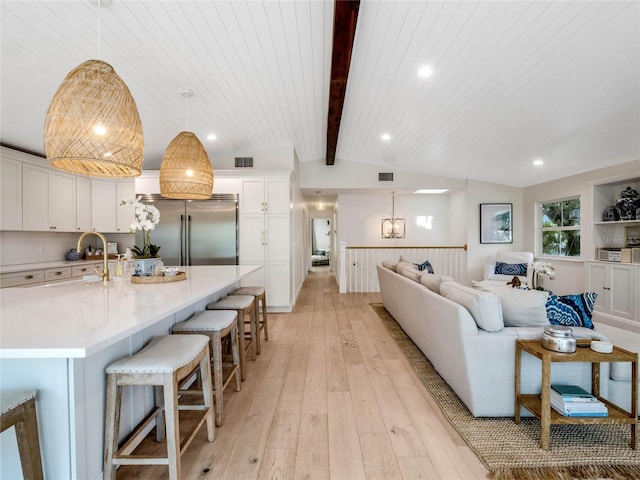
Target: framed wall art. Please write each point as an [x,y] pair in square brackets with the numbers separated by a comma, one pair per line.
[496,223]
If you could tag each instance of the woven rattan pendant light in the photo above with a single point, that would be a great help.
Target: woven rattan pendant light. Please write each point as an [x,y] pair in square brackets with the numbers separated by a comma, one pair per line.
[92,125]
[186,172]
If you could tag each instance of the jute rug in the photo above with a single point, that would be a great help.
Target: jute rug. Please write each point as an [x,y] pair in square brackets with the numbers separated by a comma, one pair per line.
[512,451]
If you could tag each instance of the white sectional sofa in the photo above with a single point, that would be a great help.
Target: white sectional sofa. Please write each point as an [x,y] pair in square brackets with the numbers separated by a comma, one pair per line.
[479,365]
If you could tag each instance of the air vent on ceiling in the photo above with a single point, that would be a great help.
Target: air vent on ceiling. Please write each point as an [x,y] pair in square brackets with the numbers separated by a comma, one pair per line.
[244,162]
[385,177]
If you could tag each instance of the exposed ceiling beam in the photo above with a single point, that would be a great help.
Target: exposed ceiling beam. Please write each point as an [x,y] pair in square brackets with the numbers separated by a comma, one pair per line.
[344,30]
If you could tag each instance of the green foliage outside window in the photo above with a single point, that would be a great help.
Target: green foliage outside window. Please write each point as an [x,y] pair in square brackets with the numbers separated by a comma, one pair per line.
[561,228]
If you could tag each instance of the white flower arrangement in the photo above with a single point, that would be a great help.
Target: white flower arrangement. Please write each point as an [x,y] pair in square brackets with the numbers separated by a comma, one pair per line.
[544,269]
[146,219]
[541,270]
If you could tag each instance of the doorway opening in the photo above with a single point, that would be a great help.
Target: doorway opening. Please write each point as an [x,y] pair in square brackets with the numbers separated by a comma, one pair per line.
[320,242]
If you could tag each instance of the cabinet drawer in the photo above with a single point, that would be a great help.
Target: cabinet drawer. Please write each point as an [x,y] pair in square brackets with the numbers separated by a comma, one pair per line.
[52,274]
[17,279]
[82,270]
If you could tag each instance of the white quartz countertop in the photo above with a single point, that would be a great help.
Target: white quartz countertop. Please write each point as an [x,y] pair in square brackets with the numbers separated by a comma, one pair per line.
[71,319]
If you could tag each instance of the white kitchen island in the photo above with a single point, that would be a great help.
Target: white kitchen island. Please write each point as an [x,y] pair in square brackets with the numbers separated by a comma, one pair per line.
[58,339]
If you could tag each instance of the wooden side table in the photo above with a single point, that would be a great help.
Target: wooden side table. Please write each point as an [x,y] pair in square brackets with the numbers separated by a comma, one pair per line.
[540,404]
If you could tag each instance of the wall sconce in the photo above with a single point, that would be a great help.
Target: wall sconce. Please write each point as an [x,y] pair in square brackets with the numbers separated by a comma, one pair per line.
[393,227]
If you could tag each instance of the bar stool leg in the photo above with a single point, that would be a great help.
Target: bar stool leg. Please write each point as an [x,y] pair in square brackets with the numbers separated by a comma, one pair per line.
[263,300]
[170,387]
[217,375]
[112,425]
[28,443]
[205,376]
[161,426]
[241,342]
[235,355]
[254,331]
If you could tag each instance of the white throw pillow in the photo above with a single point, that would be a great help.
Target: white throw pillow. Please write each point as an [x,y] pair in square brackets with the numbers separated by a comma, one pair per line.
[520,308]
[390,265]
[484,307]
[432,282]
[410,272]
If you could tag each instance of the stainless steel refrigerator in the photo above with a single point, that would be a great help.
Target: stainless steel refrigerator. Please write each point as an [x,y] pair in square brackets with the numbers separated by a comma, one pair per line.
[196,232]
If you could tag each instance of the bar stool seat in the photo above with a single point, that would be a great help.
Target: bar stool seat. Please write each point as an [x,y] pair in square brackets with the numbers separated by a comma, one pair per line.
[162,363]
[218,325]
[260,297]
[18,408]
[244,305]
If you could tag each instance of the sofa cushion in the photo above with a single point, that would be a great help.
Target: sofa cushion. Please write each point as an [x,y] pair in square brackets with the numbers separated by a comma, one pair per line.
[425,266]
[520,308]
[432,282]
[409,270]
[513,269]
[571,310]
[484,307]
[390,265]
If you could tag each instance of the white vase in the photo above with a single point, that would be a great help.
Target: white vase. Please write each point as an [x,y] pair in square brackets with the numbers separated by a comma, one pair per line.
[145,267]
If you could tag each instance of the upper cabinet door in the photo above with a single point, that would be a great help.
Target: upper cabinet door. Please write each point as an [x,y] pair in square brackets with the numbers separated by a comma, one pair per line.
[103,205]
[83,204]
[62,202]
[252,195]
[35,199]
[125,190]
[277,196]
[10,194]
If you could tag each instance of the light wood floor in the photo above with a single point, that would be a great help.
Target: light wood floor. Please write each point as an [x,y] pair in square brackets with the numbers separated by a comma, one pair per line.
[330,397]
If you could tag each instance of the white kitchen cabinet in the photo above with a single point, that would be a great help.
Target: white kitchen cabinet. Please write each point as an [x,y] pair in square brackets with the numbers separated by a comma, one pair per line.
[265,195]
[103,206]
[10,194]
[83,204]
[617,287]
[265,231]
[125,190]
[48,200]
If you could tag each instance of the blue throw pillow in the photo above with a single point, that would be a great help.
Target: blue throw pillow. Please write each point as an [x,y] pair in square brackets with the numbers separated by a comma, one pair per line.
[426,265]
[519,269]
[571,310]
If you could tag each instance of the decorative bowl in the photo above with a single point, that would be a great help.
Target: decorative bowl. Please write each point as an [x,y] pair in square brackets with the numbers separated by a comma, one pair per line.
[171,271]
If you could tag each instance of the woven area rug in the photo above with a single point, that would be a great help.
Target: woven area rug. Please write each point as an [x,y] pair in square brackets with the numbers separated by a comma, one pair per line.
[512,451]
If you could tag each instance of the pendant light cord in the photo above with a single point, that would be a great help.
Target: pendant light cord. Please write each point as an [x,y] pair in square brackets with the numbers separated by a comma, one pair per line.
[186,101]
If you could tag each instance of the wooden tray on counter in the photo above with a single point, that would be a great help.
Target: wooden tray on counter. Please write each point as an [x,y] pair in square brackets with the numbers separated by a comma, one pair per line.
[159,278]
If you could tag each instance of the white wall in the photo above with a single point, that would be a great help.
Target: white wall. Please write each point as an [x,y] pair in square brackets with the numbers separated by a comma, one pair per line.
[355,176]
[360,215]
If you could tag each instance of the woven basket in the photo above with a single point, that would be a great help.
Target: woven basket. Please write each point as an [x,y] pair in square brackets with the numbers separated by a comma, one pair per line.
[160,278]
[186,172]
[94,95]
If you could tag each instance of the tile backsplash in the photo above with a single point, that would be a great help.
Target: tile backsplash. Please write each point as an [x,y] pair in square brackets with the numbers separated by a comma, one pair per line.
[17,248]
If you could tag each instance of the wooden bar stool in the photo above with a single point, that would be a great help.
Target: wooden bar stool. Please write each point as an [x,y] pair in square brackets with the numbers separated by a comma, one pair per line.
[217,325]
[260,297]
[244,305]
[18,408]
[163,363]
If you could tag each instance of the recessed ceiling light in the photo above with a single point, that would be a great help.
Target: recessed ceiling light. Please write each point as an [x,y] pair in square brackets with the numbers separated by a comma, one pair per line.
[425,71]
[432,190]
[211,137]
[386,137]
[538,161]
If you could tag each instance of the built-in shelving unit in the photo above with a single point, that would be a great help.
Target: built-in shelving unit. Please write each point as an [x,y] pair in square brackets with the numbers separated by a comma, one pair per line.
[617,283]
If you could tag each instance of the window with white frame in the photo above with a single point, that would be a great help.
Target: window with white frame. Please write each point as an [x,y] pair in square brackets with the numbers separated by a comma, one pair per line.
[560,228]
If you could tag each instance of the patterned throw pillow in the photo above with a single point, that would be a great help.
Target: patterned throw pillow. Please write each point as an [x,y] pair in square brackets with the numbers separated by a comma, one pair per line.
[519,269]
[571,310]
[426,265]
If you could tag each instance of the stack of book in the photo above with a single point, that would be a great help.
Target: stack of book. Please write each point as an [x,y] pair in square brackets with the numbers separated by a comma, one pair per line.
[574,401]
